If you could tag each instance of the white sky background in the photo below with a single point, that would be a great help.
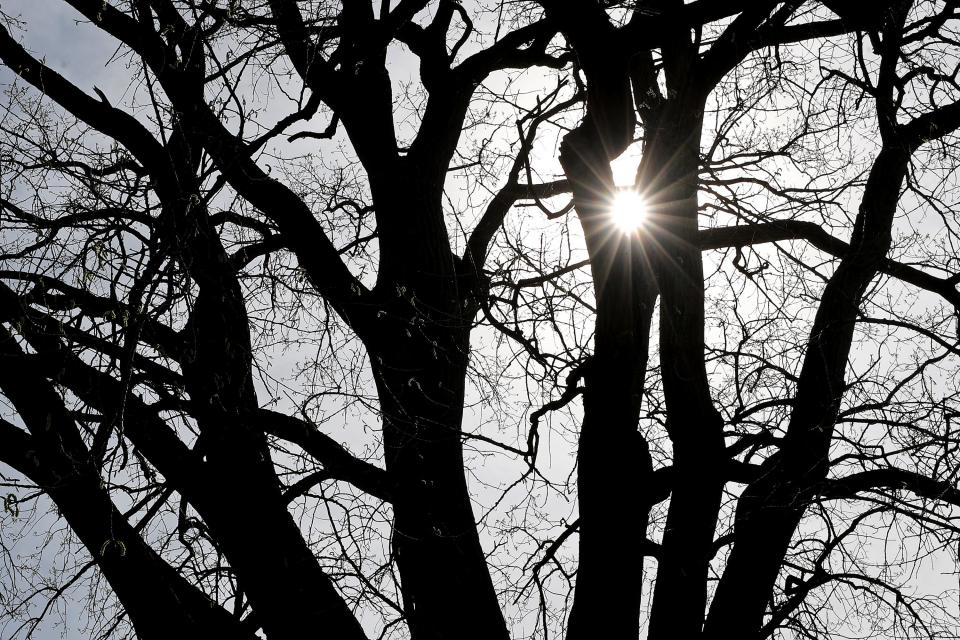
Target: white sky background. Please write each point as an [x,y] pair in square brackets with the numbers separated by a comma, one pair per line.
[81,53]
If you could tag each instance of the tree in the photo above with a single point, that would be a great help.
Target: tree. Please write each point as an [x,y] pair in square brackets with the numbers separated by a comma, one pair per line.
[767,384]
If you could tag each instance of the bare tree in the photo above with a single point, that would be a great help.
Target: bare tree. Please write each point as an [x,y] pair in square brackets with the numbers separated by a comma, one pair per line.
[197,293]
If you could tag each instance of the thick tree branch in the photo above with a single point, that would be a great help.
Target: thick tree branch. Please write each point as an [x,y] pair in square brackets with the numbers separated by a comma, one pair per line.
[752,234]
[338,463]
[160,603]
[848,487]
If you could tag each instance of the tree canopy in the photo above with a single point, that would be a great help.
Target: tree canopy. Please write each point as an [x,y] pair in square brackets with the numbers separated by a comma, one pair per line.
[432,319]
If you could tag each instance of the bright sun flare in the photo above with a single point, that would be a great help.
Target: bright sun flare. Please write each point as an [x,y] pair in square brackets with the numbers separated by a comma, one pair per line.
[628,210]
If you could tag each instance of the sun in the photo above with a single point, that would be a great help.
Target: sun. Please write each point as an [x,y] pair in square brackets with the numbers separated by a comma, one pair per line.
[628,210]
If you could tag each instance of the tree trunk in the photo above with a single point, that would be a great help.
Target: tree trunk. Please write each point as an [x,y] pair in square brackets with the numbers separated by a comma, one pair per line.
[419,350]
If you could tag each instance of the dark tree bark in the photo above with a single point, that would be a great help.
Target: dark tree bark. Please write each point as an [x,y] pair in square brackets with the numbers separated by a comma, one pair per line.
[133,387]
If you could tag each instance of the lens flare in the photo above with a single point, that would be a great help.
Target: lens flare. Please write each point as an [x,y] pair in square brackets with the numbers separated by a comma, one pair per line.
[628,210]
